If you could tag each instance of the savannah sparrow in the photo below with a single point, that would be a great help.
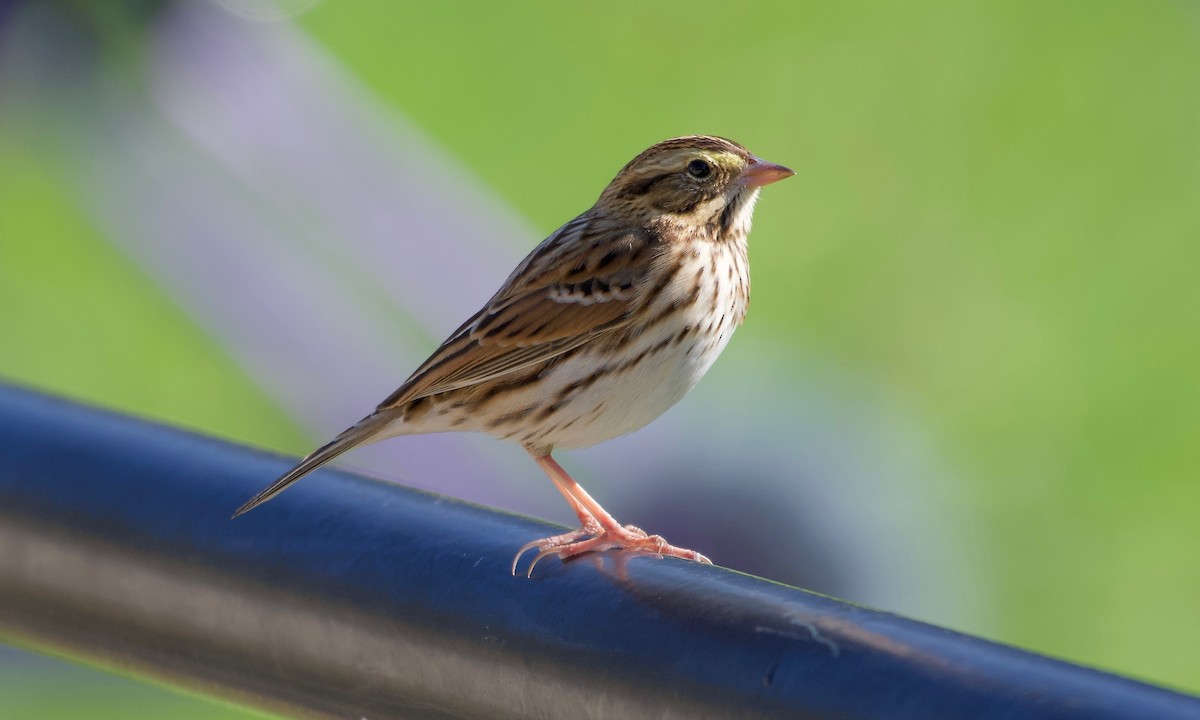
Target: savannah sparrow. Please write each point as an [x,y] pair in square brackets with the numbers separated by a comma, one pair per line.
[605,325]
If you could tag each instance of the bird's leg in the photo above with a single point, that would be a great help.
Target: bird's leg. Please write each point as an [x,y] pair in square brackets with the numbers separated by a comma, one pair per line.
[591,516]
[606,533]
[588,525]
[580,500]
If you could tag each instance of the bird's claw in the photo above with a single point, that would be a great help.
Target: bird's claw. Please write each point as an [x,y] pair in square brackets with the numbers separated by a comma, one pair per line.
[595,539]
[551,545]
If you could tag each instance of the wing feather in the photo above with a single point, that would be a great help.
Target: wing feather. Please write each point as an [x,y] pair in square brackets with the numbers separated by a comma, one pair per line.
[581,282]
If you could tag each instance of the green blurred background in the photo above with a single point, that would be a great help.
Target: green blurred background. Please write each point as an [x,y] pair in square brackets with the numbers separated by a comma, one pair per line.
[994,232]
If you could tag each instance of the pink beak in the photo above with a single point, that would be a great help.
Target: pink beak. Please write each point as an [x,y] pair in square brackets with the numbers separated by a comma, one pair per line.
[760,172]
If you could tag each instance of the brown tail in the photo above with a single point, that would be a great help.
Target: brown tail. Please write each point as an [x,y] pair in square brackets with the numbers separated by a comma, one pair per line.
[361,433]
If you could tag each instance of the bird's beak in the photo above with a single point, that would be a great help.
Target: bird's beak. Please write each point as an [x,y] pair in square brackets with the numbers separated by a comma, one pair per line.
[760,172]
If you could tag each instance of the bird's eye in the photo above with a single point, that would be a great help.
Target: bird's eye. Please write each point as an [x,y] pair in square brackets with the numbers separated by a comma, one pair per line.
[699,169]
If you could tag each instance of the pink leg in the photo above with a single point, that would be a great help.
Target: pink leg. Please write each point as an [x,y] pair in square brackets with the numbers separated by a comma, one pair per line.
[604,531]
[580,501]
[587,527]
[591,516]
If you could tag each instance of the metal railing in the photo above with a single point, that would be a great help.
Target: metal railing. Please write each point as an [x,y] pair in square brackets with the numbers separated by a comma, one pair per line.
[349,597]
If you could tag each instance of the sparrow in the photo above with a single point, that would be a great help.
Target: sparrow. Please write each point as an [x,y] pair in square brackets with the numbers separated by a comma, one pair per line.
[599,330]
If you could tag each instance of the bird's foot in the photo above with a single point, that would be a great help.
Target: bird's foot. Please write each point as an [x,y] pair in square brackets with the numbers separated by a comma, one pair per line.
[597,539]
[553,542]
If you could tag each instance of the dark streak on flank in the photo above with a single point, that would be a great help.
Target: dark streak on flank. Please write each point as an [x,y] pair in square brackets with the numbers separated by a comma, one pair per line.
[511,417]
[653,322]
[653,349]
[581,385]
[549,410]
[501,388]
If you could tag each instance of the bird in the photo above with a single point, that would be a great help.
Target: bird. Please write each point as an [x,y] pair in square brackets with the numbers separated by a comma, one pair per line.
[605,325]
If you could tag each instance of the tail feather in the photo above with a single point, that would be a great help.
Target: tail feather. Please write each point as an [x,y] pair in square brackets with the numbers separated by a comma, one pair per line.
[361,433]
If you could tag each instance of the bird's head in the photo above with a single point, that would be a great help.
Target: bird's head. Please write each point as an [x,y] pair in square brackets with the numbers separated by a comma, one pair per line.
[696,180]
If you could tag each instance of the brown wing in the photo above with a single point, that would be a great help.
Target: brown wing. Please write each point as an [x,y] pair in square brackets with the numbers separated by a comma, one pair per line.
[582,281]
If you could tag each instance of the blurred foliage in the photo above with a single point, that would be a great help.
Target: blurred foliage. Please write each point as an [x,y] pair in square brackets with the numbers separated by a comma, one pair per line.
[994,225]
[78,317]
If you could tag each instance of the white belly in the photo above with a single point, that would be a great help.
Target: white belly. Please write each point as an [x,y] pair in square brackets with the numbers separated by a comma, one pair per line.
[649,375]
[625,401]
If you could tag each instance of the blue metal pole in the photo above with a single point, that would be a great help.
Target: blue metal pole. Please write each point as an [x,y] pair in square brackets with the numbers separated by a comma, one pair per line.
[349,597]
